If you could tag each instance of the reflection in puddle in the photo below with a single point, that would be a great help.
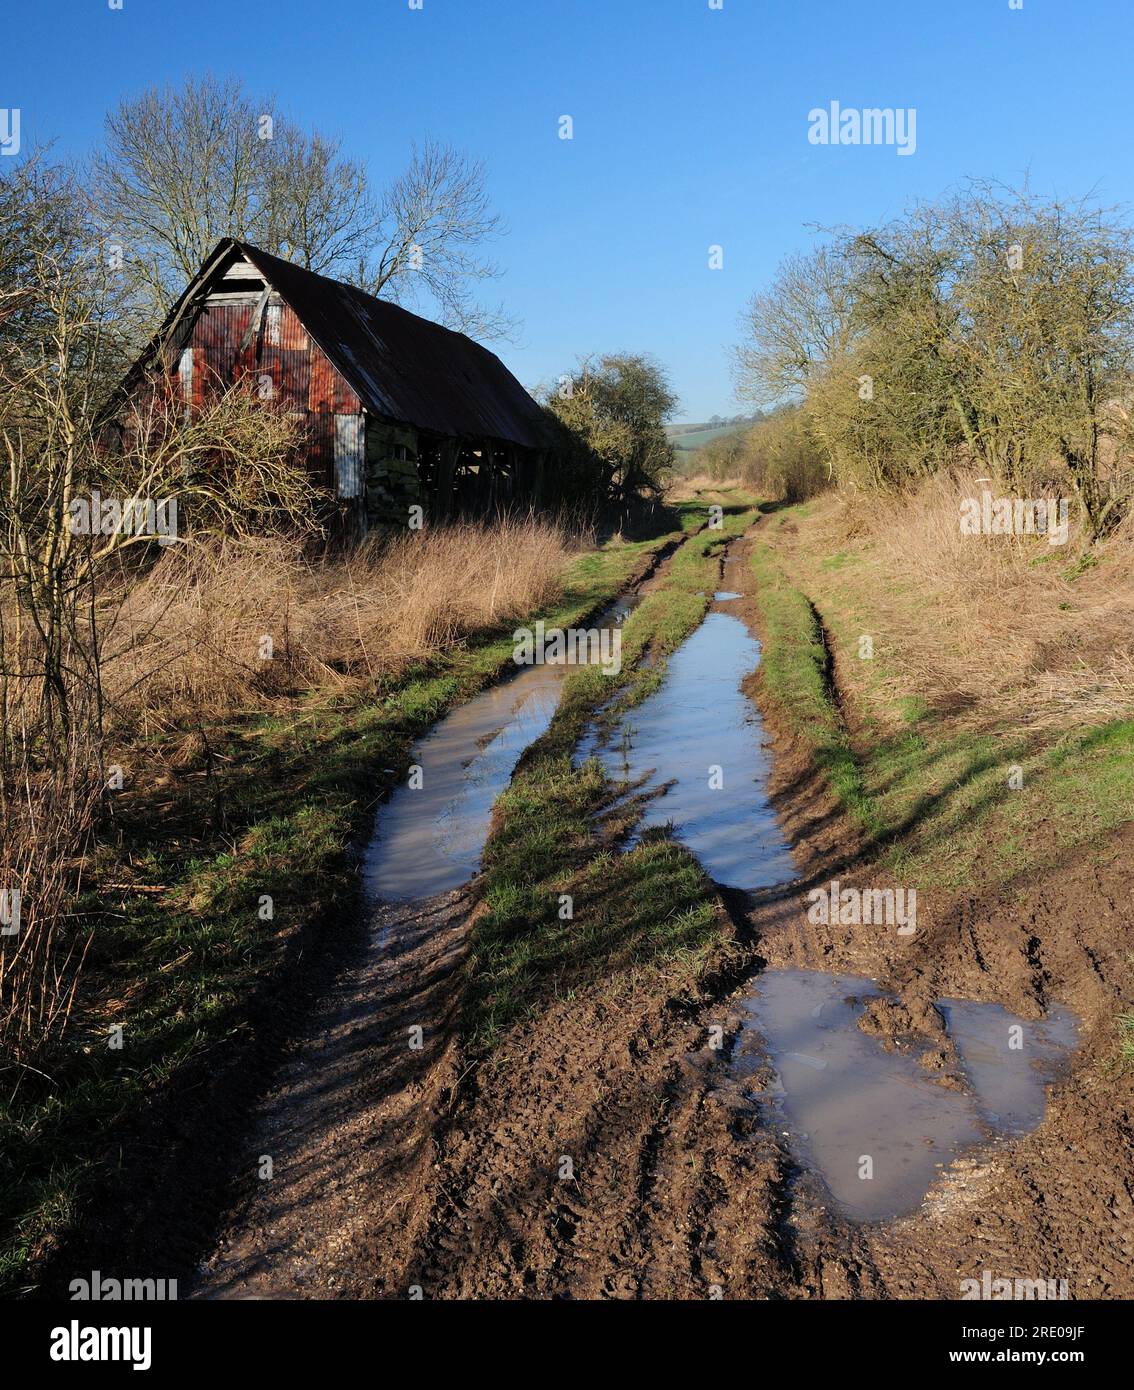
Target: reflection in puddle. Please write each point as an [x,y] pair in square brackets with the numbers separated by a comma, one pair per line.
[701,731]
[429,839]
[847,1100]
[725,596]
[852,1107]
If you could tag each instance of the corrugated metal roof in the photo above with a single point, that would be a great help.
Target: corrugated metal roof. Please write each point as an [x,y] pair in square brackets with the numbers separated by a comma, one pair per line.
[403,367]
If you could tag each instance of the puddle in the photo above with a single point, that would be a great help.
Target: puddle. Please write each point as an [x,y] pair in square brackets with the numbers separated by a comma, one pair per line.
[845,1099]
[697,720]
[1009,1060]
[429,840]
[724,596]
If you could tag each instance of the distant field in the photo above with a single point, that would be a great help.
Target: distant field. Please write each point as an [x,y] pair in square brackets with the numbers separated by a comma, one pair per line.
[688,438]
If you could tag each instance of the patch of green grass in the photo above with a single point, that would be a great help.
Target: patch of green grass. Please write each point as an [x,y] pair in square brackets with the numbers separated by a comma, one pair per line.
[730,498]
[794,671]
[914,708]
[1083,565]
[1126,1041]
[839,560]
[648,907]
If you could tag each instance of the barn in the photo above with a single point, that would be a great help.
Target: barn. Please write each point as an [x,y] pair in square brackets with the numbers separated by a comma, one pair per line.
[398,411]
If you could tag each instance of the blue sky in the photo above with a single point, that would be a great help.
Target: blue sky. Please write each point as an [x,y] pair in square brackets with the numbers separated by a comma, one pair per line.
[690,127]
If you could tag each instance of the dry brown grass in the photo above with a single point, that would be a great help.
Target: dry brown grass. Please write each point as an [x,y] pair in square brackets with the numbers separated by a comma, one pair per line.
[682,488]
[191,634]
[1002,626]
[184,643]
[45,943]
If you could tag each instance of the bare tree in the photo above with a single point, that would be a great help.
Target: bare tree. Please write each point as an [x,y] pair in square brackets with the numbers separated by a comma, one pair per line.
[315,204]
[64,570]
[435,217]
[184,167]
[44,217]
[793,330]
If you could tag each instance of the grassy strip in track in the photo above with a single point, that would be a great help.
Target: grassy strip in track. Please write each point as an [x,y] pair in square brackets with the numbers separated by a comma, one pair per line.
[553,845]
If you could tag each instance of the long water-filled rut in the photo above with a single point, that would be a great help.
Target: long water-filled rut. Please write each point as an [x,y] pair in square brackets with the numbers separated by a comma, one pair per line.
[340,1139]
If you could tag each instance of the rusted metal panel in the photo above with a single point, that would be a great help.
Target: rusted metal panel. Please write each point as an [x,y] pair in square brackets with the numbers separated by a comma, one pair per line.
[288,372]
[346,398]
[214,374]
[216,338]
[321,452]
[208,328]
[221,325]
[321,384]
[292,334]
[327,389]
[294,375]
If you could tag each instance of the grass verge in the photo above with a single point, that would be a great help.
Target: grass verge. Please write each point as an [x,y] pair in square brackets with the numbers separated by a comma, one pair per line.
[795,671]
[945,799]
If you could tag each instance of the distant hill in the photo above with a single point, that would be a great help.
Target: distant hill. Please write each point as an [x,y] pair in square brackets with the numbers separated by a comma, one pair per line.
[687,439]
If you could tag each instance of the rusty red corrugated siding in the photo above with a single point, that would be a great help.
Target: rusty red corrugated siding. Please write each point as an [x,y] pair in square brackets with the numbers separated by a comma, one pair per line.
[293,335]
[321,453]
[329,389]
[302,376]
[215,341]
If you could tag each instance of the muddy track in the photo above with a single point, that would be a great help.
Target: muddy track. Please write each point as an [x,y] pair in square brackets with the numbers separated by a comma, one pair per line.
[607,1150]
[679,1188]
[615,1166]
[343,1124]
